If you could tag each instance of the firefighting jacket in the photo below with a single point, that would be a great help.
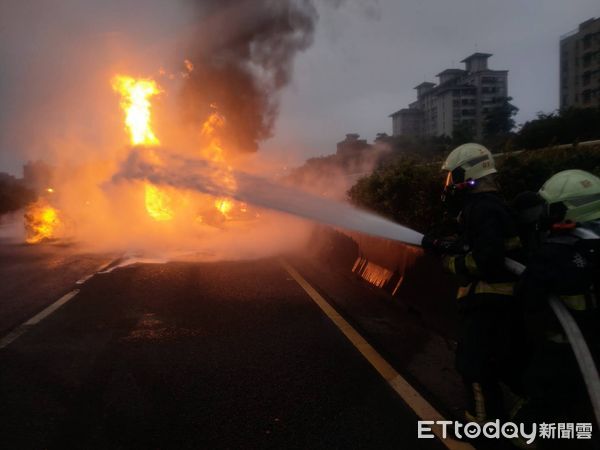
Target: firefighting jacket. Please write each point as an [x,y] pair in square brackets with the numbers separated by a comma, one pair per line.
[566,265]
[490,235]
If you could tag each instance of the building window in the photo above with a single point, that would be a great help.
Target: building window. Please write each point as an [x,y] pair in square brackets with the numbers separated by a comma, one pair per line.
[489,90]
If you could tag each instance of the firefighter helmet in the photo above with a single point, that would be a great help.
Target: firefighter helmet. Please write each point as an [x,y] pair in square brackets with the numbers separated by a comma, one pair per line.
[469,162]
[574,195]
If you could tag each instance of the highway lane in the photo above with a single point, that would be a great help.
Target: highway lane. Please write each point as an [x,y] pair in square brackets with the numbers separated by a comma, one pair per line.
[33,276]
[196,355]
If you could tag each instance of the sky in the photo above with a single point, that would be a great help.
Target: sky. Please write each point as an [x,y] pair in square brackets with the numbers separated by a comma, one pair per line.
[369,55]
[366,58]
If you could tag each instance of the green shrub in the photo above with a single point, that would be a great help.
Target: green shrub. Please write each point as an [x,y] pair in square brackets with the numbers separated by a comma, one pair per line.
[408,191]
[13,194]
[405,191]
[561,127]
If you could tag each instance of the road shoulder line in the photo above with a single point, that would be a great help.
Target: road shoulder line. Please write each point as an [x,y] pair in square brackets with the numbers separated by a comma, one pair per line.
[23,328]
[421,407]
[17,332]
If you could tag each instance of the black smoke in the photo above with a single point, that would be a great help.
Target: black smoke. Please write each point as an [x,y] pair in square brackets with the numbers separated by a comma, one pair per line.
[243,53]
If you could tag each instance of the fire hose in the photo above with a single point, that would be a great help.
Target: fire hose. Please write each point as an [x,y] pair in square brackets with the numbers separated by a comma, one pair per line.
[578,344]
[580,348]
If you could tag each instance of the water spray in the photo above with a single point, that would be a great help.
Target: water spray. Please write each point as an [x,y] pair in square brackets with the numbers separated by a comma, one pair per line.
[199,175]
[196,175]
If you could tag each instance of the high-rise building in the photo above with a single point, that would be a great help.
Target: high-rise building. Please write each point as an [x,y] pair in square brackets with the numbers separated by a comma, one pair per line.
[462,96]
[580,66]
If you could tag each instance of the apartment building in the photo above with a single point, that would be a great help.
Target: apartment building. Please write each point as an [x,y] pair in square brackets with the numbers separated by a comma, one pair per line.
[461,96]
[580,66]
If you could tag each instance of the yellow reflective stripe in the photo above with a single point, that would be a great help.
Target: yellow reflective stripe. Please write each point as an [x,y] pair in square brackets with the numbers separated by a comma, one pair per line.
[463,291]
[450,263]
[512,243]
[494,288]
[470,264]
[574,302]
[481,287]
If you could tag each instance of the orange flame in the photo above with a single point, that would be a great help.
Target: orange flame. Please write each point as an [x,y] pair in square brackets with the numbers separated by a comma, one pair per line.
[224,205]
[42,222]
[158,203]
[214,150]
[135,101]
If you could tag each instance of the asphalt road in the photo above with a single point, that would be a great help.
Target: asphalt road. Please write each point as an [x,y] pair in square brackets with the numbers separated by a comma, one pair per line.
[31,277]
[187,355]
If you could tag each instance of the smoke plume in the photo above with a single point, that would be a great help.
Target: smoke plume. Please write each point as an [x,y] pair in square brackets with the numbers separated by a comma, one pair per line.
[242,54]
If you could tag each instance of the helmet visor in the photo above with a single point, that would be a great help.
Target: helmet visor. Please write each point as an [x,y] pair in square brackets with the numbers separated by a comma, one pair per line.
[456,176]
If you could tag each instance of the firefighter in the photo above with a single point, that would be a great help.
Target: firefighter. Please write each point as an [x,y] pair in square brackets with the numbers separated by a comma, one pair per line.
[565,265]
[488,234]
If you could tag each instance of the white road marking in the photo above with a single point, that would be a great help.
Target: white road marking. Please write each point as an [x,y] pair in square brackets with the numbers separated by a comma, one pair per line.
[50,309]
[25,326]
[421,407]
[22,329]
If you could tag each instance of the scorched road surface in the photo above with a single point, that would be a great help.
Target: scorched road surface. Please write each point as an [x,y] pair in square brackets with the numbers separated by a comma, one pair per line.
[195,355]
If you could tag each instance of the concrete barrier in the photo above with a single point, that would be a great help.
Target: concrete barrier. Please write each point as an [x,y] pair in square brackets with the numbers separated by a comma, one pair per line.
[408,275]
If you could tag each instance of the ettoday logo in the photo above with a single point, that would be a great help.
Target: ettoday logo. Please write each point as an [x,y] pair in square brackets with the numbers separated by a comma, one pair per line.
[509,430]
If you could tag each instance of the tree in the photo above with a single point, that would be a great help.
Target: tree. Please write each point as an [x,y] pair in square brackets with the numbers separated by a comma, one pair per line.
[563,127]
[499,121]
[13,194]
[463,132]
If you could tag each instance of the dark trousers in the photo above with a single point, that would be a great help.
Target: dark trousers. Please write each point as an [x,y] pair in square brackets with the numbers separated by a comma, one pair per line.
[492,349]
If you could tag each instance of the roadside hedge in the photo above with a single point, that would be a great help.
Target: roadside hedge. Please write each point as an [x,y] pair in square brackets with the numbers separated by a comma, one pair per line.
[13,194]
[408,191]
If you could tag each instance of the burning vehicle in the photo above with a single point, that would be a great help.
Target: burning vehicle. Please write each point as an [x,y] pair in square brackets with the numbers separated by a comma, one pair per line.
[44,219]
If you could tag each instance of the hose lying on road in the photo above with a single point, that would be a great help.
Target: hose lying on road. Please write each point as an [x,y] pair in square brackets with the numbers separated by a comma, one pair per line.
[577,341]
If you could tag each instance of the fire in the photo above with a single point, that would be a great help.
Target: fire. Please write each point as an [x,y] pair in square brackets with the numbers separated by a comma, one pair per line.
[158,203]
[214,149]
[135,101]
[42,222]
[224,205]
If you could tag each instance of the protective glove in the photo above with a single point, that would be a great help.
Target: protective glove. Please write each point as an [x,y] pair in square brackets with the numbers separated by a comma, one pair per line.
[441,246]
